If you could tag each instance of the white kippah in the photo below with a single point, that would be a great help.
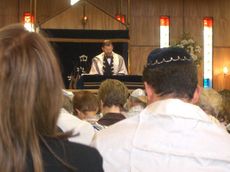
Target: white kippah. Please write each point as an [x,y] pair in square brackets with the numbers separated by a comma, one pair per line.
[139,94]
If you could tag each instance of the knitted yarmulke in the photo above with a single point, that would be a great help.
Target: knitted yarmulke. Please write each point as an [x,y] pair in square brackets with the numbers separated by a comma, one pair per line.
[162,56]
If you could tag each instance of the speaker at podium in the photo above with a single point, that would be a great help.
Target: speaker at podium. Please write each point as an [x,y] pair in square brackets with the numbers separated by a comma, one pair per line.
[76,48]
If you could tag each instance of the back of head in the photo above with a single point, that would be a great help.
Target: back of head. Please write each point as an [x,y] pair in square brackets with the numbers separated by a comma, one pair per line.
[138,97]
[30,96]
[225,114]
[113,93]
[171,71]
[211,102]
[85,101]
[67,104]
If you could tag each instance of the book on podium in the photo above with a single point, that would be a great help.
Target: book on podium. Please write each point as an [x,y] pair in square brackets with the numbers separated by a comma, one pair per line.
[94,81]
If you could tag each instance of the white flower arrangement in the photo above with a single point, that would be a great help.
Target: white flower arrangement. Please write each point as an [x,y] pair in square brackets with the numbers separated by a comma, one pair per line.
[191,47]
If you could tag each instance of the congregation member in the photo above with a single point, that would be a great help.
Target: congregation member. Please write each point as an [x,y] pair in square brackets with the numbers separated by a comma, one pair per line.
[113,95]
[86,106]
[171,133]
[212,103]
[82,131]
[108,63]
[30,102]
[136,103]
[225,114]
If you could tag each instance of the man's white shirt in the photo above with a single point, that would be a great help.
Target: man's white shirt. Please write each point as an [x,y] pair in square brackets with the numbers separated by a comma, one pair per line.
[168,135]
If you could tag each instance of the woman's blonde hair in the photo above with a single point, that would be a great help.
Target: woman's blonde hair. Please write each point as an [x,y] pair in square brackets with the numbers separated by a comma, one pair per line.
[211,102]
[30,97]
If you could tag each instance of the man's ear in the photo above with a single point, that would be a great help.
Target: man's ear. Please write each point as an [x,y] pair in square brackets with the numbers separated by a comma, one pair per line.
[196,94]
[150,93]
[80,115]
[101,106]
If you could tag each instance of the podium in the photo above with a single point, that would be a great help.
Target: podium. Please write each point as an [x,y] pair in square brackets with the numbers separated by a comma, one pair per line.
[94,81]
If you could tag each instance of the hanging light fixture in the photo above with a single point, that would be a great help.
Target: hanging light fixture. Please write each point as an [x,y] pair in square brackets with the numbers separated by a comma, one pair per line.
[120,18]
[28,21]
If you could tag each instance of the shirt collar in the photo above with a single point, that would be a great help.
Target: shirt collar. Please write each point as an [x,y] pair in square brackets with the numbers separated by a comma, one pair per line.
[177,108]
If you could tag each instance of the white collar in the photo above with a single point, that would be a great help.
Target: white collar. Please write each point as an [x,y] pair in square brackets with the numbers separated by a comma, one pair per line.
[161,129]
[177,108]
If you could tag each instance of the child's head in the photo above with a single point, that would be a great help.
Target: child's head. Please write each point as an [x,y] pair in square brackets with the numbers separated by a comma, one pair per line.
[85,104]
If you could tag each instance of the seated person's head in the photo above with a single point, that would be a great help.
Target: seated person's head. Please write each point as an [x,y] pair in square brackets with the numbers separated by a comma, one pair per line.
[211,102]
[171,73]
[225,114]
[30,95]
[85,104]
[67,104]
[137,98]
[112,93]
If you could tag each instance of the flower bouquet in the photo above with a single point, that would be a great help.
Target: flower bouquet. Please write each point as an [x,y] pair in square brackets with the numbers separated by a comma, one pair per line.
[191,47]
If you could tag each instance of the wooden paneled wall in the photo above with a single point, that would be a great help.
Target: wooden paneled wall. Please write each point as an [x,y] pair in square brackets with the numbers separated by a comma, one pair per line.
[145,30]
[71,18]
[49,9]
[185,15]
[111,6]
[9,12]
